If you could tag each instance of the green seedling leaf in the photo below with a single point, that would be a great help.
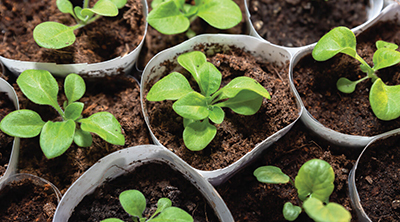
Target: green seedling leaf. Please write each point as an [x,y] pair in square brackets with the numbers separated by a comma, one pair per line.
[54,35]
[173,214]
[74,87]
[216,114]
[168,19]
[388,45]
[106,126]
[74,110]
[65,6]
[291,212]
[271,174]
[338,40]
[190,10]
[192,106]
[385,57]
[133,202]
[242,83]
[162,204]
[56,137]
[78,14]
[192,61]
[119,3]
[315,179]
[384,100]
[332,212]
[112,220]
[83,138]
[221,14]
[198,135]
[345,85]
[210,79]
[155,3]
[172,87]
[22,123]
[245,102]
[101,7]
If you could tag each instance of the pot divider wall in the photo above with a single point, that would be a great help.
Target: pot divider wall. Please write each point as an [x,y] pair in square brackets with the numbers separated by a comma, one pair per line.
[122,64]
[154,70]
[126,160]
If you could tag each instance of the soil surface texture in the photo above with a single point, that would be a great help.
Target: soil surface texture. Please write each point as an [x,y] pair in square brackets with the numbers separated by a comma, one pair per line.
[237,134]
[347,113]
[154,180]
[295,23]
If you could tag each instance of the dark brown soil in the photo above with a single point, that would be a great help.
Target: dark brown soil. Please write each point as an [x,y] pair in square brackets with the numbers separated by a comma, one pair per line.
[302,22]
[26,201]
[238,134]
[347,113]
[154,181]
[102,40]
[120,97]
[250,200]
[377,180]
[155,42]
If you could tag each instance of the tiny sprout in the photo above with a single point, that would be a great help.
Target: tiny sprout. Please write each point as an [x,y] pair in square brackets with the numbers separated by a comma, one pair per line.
[54,35]
[175,16]
[314,184]
[383,98]
[134,203]
[40,87]
[242,95]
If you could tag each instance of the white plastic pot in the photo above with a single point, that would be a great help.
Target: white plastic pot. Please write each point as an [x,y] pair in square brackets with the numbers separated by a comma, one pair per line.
[153,71]
[375,7]
[333,136]
[12,164]
[119,65]
[125,160]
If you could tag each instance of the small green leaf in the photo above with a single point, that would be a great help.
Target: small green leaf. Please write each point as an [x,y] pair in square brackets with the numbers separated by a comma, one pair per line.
[192,61]
[106,126]
[384,100]
[101,7]
[171,87]
[168,19]
[192,106]
[119,3]
[173,214]
[190,10]
[345,85]
[216,114]
[245,103]
[339,39]
[270,174]
[22,123]
[78,14]
[155,3]
[83,138]
[133,202]
[388,45]
[315,179]
[210,79]
[291,212]
[39,86]
[53,35]
[162,204]
[65,6]
[74,110]
[242,83]
[198,135]
[112,220]
[332,212]
[385,57]
[221,14]
[56,137]
[74,87]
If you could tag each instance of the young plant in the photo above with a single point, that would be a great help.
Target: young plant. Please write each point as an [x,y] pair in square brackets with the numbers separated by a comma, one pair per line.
[40,87]
[54,35]
[174,16]
[243,95]
[134,203]
[383,98]
[314,184]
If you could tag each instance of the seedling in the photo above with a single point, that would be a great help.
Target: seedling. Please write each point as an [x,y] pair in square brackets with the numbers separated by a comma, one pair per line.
[54,35]
[383,98]
[134,203]
[174,16]
[314,184]
[40,87]
[243,95]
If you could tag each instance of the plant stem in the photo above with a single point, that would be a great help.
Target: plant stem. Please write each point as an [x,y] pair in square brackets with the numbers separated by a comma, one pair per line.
[85,3]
